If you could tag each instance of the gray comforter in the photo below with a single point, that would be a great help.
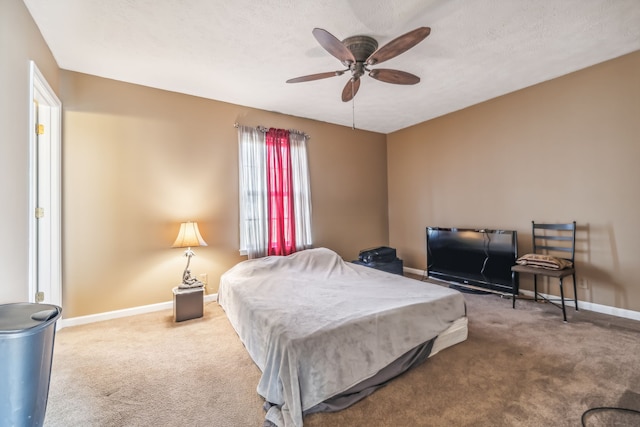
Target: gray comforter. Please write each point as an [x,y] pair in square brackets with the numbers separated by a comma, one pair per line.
[316,325]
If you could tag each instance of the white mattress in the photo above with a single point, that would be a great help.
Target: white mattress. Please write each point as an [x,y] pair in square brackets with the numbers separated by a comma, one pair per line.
[454,334]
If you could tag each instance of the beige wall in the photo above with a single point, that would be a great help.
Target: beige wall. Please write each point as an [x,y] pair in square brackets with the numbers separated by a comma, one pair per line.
[20,42]
[563,150]
[138,161]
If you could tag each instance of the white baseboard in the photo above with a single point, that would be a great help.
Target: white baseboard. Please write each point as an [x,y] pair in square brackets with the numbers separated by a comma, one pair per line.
[413,271]
[590,306]
[83,320]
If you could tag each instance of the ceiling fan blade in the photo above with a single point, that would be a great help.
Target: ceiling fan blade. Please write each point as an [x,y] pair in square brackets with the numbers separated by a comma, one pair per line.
[350,89]
[394,76]
[333,46]
[316,76]
[398,45]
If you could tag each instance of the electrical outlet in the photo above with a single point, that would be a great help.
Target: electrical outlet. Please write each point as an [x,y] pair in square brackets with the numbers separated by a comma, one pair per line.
[204,278]
[583,284]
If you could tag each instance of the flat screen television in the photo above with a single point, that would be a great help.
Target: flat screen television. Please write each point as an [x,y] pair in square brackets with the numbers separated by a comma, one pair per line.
[473,258]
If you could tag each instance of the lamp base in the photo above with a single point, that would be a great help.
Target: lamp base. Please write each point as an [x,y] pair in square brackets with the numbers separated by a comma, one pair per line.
[191,285]
[188,281]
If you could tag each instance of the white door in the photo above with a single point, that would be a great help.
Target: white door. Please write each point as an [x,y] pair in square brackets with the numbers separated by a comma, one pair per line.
[45,283]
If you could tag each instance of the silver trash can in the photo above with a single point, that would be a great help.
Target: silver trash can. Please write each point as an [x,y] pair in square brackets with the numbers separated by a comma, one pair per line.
[27,333]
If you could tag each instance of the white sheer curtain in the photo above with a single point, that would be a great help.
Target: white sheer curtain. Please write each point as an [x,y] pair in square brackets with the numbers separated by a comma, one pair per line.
[253,190]
[301,190]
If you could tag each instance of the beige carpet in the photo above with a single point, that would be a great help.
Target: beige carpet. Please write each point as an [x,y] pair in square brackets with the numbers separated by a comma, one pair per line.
[522,367]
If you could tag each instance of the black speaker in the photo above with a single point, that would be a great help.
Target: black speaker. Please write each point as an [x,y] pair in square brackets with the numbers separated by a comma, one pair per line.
[380,254]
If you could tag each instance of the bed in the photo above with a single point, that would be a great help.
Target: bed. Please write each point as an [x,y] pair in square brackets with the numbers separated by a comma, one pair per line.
[326,333]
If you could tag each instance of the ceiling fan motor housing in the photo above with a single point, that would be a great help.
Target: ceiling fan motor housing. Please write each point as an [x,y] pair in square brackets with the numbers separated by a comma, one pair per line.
[361,47]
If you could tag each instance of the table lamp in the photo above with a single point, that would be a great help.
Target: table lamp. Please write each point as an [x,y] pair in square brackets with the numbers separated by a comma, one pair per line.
[188,237]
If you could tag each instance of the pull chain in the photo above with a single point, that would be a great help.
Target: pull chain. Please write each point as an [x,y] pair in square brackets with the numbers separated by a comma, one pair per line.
[353,108]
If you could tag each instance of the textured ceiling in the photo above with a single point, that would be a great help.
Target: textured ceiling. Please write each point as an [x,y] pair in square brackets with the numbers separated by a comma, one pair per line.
[243,51]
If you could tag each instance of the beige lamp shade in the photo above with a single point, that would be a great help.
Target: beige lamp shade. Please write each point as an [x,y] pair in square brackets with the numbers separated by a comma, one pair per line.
[189,236]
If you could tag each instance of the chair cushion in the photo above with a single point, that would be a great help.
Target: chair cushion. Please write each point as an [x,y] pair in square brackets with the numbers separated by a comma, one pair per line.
[544,261]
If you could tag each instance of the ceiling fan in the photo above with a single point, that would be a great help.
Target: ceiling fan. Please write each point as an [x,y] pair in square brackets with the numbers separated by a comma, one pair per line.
[358,53]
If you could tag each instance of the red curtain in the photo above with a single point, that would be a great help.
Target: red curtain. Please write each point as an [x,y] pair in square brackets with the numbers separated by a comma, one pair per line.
[282,233]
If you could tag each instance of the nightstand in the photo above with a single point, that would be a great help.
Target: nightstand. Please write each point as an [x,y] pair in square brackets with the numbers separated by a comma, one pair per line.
[188,303]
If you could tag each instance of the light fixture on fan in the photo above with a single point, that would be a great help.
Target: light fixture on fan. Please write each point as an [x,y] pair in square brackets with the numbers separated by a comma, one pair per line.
[188,237]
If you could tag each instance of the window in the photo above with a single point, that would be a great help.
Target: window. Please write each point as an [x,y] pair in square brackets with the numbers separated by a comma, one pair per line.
[275,197]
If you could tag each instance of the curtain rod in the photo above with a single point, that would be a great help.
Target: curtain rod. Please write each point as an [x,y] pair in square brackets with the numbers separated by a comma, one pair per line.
[265,129]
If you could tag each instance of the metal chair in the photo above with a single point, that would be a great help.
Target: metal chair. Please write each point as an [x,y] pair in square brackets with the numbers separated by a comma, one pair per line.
[554,247]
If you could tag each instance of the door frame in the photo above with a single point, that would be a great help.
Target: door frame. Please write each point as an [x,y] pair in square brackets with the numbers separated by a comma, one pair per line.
[40,93]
